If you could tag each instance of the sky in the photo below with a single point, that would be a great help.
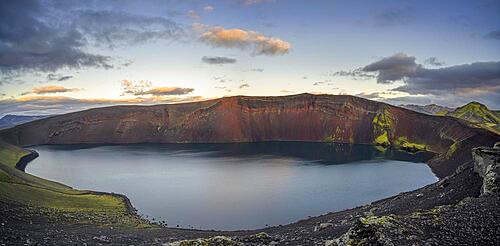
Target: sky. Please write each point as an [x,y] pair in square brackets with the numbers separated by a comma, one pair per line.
[59,56]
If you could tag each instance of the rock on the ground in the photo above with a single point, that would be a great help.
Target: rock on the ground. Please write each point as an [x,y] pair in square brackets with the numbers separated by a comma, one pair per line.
[487,165]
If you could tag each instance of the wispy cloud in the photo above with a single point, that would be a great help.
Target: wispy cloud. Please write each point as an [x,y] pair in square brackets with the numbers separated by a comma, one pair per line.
[58,77]
[218,60]
[434,61]
[165,91]
[355,74]
[52,89]
[245,85]
[144,87]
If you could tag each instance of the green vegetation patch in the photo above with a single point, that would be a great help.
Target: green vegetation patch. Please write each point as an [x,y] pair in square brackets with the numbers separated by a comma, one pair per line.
[378,220]
[479,115]
[382,127]
[10,154]
[76,206]
[404,143]
[382,139]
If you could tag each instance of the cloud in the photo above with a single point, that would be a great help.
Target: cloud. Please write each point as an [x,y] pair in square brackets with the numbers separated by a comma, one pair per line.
[208,8]
[244,86]
[323,82]
[134,87]
[165,91]
[286,91]
[355,74]
[114,28]
[242,39]
[260,70]
[60,104]
[40,36]
[379,95]
[49,89]
[466,78]
[221,79]
[392,68]
[475,81]
[217,60]
[58,77]
[30,44]
[434,61]
[394,17]
[493,35]
[144,87]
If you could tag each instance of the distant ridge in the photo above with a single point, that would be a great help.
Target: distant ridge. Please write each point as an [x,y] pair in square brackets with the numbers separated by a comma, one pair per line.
[431,109]
[474,112]
[478,114]
[12,120]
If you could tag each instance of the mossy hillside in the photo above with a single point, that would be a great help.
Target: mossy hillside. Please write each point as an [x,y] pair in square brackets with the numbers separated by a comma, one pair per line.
[10,154]
[383,131]
[404,143]
[382,128]
[479,115]
[83,207]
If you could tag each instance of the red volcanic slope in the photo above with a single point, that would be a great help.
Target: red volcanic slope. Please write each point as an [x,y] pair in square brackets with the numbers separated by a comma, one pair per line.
[302,117]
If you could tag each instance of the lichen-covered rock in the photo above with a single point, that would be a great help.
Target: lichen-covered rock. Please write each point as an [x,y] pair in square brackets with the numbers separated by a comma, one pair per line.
[367,231]
[213,241]
[487,165]
[322,226]
[259,239]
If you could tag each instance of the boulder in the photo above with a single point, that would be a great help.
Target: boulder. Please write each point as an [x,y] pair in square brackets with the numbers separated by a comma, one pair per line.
[487,165]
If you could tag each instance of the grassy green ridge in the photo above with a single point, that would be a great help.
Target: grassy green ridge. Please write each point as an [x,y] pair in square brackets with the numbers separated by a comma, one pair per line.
[88,207]
[479,115]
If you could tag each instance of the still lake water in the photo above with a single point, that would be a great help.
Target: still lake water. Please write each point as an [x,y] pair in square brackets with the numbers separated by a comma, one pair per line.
[235,186]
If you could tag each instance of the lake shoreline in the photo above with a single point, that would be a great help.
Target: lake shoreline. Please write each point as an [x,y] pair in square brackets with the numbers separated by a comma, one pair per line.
[318,177]
[462,197]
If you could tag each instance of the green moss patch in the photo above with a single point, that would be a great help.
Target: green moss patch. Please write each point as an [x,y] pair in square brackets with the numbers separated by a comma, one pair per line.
[382,127]
[405,144]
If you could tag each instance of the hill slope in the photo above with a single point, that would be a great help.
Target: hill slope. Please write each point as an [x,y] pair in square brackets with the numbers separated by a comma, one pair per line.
[303,117]
[479,114]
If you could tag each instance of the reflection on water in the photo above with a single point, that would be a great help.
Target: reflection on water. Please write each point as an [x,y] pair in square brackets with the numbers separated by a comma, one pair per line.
[235,186]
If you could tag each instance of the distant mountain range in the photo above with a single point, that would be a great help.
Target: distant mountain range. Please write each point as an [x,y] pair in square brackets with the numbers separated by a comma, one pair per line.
[10,120]
[476,113]
[432,109]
